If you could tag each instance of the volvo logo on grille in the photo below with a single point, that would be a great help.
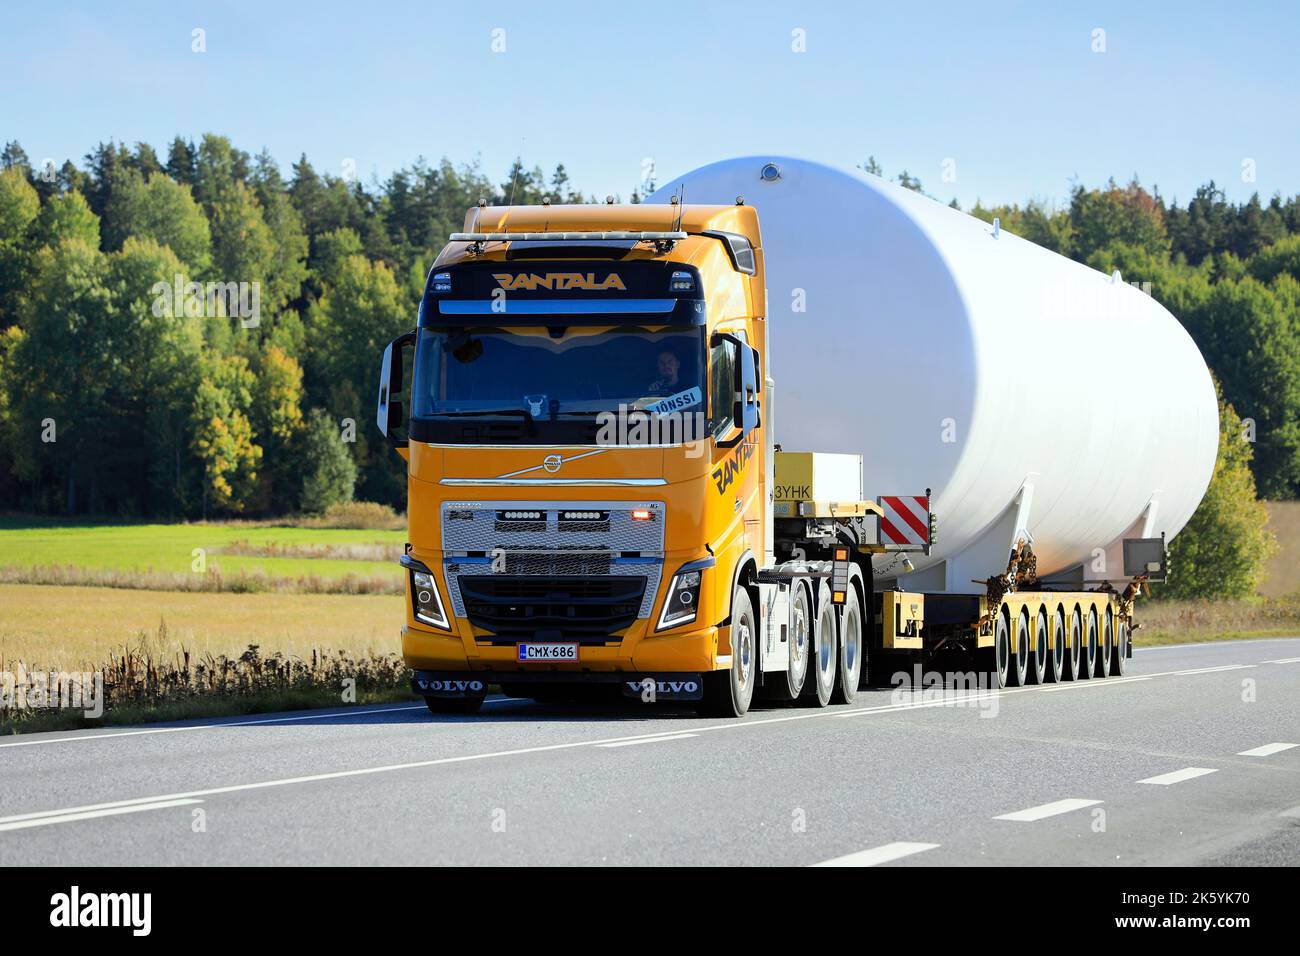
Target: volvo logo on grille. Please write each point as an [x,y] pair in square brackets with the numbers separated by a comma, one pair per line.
[552,463]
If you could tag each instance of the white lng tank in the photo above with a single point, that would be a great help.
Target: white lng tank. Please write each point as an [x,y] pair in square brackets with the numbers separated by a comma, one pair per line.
[1037,397]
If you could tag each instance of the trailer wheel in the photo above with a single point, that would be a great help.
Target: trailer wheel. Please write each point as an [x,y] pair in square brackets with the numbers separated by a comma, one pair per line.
[1118,664]
[1089,668]
[728,693]
[997,659]
[453,705]
[1019,662]
[1107,649]
[1073,667]
[853,650]
[1056,656]
[823,663]
[1038,663]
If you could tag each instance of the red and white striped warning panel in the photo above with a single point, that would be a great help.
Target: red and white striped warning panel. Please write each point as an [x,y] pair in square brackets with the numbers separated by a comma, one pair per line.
[906,519]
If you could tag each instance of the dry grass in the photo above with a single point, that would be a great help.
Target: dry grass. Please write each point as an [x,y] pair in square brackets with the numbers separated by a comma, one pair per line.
[74,628]
[1179,622]
[211,581]
[142,682]
[1282,576]
[377,551]
[361,515]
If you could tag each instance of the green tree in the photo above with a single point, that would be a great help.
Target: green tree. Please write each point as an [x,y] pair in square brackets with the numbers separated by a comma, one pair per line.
[223,435]
[1222,551]
[362,310]
[58,390]
[1128,215]
[278,424]
[1252,345]
[330,474]
[19,207]
[1282,256]
[67,217]
[164,211]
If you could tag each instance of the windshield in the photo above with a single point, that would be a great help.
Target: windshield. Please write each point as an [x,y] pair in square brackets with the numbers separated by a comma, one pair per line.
[558,373]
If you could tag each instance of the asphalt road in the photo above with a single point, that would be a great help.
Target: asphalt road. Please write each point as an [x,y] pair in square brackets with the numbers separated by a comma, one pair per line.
[1190,759]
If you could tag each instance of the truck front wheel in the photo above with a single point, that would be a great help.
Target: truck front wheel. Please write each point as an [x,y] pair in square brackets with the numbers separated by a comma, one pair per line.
[728,693]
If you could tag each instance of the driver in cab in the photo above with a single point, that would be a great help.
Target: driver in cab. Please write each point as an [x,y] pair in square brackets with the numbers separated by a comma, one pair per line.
[669,368]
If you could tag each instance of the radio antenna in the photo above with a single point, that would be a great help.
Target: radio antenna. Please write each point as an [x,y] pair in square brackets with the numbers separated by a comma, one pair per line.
[681,202]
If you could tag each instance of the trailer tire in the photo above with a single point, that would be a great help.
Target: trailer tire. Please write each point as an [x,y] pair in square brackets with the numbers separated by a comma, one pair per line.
[996,660]
[1038,660]
[1019,663]
[1118,665]
[823,662]
[453,705]
[1056,642]
[1106,650]
[1089,662]
[852,649]
[1074,648]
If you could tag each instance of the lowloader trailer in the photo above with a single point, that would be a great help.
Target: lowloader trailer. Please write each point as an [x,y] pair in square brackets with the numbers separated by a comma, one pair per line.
[597,498]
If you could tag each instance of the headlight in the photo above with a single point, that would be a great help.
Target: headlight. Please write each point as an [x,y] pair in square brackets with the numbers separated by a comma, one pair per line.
[682,601]
[424,596]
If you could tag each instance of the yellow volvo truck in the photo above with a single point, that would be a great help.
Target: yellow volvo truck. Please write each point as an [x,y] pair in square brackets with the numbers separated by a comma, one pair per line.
[595,500]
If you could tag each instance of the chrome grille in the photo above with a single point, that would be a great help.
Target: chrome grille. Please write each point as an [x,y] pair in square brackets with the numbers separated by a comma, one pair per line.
[478,540]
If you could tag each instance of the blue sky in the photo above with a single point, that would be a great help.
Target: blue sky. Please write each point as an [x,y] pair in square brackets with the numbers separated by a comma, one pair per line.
[1012,93]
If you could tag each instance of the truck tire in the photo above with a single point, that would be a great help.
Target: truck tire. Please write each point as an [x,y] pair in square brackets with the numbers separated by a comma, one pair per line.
[728,693]
[800,644]
[1107,655]
[1019,669]
[852,650]
[1039,651]
[1088,668]
[995,661]
[1074,647]
[823,662]
[1056,642]
[1118,666]
[453,705]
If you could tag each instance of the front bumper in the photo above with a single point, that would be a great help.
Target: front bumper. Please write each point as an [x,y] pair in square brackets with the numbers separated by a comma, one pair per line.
[674,653]
[649,687]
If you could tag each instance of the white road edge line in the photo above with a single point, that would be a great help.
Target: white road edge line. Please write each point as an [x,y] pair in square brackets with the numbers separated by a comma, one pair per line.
[1267,750]
[646,740]
[1041,811]
[878,855]
[29,820]
[1213,670]
[233,723]
[1093,682]
[1285,660]
[1178,776]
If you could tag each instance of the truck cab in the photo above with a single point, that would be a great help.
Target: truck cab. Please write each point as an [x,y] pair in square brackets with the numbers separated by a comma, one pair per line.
[588,456]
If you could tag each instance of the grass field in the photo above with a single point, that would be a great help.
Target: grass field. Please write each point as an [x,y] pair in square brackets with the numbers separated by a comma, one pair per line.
[163,556]
[67,628]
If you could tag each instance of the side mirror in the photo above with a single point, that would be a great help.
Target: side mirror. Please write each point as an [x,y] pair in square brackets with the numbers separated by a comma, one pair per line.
[745,408]
[748,389]
[389,412]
